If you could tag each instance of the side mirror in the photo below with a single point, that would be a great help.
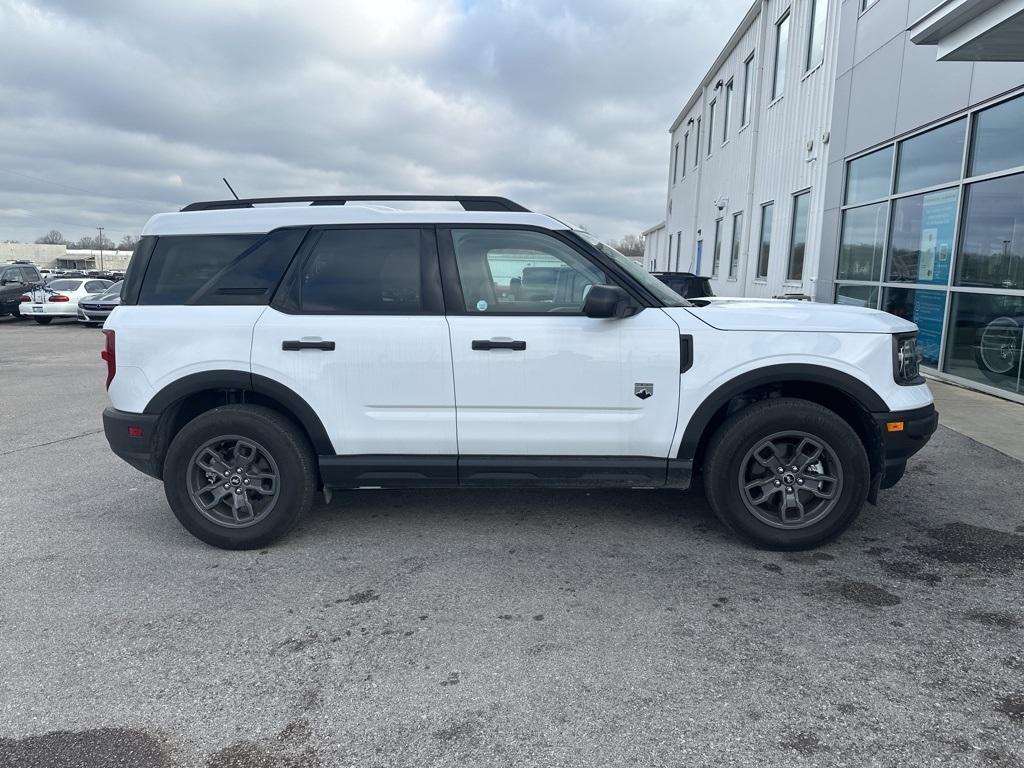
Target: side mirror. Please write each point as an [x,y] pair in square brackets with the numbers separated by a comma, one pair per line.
[608,301]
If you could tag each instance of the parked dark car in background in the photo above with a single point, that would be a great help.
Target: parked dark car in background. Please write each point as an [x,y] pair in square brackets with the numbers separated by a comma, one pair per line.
[686,284]
[16,278]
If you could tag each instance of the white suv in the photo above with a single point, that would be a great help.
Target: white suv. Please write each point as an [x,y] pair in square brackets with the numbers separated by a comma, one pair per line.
[265,349]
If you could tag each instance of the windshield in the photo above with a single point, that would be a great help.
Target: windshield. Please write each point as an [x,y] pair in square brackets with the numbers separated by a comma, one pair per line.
[666,295]
[113,292]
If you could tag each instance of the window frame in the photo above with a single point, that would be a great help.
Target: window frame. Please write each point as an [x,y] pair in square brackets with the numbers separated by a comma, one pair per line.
[675,163]
[735,245]
[286,297]
[686,149]
[748,91]
[815,6]
[716,249]
[760,242]
[804,193]
[696,146]
[711,125]
[779,76]
[727,110]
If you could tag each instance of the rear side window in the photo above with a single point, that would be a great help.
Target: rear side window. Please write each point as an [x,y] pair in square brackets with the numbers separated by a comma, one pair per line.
[212,269]
[369,272]
[182,264]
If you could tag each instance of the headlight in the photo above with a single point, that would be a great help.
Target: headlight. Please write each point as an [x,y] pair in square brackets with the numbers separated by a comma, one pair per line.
[906,359]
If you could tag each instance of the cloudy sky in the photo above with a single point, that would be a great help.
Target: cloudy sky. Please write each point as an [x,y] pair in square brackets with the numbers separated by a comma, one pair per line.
[113,110]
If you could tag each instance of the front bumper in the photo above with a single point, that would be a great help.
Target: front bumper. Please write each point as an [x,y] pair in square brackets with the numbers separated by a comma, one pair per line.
[135,446]
[87,315]
[902,434]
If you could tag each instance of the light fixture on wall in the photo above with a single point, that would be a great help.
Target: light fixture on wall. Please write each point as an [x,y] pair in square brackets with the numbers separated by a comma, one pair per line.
[718,85]
[690,121]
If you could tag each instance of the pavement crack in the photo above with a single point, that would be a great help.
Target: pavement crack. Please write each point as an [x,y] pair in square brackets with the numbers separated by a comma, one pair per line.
[51,442]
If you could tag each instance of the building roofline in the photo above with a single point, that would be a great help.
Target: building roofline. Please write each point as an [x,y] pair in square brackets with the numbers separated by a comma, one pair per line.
[737,35]
[945,17]
[659,225]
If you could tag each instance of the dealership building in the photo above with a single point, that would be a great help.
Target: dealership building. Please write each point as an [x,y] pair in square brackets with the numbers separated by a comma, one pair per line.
[866,152]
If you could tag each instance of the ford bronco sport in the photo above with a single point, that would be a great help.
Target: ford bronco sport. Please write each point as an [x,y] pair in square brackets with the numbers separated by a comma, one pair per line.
[266,349]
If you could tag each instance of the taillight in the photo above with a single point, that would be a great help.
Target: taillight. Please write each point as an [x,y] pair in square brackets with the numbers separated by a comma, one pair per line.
[58,298]
[109,355]
[25,298]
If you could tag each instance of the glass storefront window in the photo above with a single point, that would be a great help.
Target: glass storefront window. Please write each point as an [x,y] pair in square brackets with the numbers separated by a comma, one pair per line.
[991,253]
[857,295]
[984,339]
[862,243]
[869,177]
[921,242]
[927,309]
[998,142]
[932,158]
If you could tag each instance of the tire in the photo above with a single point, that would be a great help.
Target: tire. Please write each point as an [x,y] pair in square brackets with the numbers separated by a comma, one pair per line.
[746,452]
[265,443]
[43,320]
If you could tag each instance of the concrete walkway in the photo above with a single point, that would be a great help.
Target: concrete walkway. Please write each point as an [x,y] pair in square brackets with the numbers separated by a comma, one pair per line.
[990,420]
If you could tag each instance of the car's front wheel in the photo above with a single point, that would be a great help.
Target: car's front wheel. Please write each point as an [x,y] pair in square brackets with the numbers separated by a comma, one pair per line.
[239,476]
[786,473]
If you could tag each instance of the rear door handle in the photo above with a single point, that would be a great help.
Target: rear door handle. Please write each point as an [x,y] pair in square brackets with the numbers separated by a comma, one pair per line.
[294,345]
[486,344]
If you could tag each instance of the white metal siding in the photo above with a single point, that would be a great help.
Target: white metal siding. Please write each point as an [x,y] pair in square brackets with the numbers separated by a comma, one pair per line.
[763,161]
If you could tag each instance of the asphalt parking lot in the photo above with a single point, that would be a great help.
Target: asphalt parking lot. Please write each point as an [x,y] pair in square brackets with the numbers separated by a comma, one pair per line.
[482,628]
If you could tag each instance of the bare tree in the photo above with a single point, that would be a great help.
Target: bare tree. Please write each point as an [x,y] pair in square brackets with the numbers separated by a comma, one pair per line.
[53,237]
[127,243]
[631,246]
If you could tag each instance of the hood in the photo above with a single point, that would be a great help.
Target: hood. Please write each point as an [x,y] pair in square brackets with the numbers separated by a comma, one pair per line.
[775,315]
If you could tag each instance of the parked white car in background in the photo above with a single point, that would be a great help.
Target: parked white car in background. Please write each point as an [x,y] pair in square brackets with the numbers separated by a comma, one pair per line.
[59,298]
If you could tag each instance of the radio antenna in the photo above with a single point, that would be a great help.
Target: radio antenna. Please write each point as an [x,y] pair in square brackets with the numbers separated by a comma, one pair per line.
[229,187]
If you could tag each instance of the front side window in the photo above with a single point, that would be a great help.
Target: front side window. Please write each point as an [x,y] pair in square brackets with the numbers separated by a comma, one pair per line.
[816,36]
[765,247]
[734,250]
[717,252]
[748,89]
[781,52]
[12,275]
[364,272]
[798,240]
[504,271]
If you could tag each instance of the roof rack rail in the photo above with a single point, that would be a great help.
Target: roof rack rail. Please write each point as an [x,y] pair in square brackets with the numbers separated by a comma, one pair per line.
[468,203]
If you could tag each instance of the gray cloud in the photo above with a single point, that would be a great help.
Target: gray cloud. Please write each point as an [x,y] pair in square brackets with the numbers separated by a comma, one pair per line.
[132,108]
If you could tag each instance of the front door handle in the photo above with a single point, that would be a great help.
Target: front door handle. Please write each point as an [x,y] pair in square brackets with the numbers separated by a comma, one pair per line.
[486,344]
[294,345]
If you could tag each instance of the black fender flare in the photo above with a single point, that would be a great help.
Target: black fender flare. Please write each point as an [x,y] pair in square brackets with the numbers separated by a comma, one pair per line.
[244,381]
[783,373]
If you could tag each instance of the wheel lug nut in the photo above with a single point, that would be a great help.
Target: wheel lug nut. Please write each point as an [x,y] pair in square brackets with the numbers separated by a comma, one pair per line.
[777,482]
[780,470]
[794,469]
[800,481]
[226,485]
[247,482]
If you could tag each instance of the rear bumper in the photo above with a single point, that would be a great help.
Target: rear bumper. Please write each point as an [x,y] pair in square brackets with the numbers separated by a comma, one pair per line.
[49,309]
[900,443]
[137,451]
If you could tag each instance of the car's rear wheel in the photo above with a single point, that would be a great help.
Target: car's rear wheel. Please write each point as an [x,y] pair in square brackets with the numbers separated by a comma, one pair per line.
[43,320]
[786,473]
[239,476]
